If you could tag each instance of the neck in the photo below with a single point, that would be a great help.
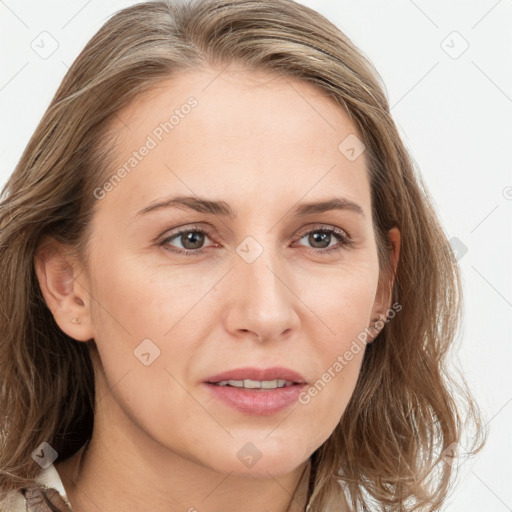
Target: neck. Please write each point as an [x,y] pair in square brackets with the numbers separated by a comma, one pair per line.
[128,471]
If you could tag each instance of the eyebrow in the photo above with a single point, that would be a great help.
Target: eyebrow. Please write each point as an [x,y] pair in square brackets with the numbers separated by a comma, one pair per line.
[222,208]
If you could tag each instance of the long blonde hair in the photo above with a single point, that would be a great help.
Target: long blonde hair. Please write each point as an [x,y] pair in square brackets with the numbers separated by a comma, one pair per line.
[406,410]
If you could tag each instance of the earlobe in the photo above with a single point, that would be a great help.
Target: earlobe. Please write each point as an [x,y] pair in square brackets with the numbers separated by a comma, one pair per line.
[66,300]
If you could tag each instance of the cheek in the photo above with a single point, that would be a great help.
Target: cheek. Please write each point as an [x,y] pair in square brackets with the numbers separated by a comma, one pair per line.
[140,301]
[133,311]
[342,307]
[142,316]
[341,300]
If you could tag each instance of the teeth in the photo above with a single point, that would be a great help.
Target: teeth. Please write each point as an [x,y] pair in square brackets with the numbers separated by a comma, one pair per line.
[256,384]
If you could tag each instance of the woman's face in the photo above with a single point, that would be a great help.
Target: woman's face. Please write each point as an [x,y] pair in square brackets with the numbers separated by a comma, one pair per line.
[258,277]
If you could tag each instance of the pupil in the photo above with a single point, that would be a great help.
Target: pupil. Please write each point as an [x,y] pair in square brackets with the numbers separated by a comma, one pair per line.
[193,237]
[314,237]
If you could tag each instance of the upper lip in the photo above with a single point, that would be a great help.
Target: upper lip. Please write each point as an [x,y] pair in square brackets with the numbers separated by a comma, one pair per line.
[276,372]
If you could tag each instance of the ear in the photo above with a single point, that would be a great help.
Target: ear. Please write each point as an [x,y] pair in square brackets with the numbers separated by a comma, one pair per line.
[58,272]
[384,290]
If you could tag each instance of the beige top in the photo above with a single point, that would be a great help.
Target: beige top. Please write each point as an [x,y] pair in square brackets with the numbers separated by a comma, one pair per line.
[52,492]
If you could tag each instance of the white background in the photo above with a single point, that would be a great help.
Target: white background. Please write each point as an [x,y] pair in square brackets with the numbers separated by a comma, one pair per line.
[454,113]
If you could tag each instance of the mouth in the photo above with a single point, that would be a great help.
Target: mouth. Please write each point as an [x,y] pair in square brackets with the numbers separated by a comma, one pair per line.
[262,379]
[263,394]
[259,385]
[257,379]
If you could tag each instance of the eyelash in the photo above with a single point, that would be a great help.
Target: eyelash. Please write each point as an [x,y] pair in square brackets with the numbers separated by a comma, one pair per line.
[345,240]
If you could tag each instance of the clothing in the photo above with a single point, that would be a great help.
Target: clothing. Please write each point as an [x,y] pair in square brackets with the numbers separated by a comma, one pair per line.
[49,496]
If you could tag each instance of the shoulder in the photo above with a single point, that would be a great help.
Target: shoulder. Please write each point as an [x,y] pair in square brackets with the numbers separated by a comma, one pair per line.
[49,495]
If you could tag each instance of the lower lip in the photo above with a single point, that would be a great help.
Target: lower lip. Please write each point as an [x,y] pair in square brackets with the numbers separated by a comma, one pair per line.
[255,401]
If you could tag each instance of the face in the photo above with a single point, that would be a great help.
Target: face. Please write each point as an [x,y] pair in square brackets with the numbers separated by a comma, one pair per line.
[255,278]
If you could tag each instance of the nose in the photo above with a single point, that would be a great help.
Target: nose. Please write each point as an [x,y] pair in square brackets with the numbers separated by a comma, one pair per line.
[261,298]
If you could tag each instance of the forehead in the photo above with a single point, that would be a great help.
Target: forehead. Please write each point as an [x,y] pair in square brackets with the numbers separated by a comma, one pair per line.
[235,133]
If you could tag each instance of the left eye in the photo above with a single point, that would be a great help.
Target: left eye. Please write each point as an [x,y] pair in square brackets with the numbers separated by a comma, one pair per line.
[191,240]
[320,239]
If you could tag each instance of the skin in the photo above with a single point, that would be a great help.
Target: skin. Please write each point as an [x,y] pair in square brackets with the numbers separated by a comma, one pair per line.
[161,441]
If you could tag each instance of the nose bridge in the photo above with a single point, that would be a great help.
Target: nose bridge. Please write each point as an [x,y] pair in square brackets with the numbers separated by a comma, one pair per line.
[262,300]
[261,275]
